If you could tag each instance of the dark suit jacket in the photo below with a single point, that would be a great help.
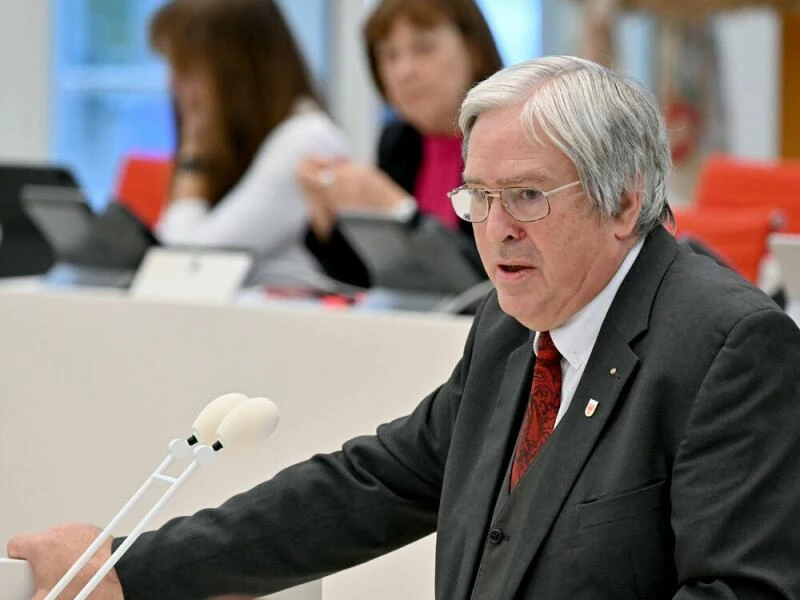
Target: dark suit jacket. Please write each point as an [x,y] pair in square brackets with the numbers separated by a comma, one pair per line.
[685,483]
[400,157]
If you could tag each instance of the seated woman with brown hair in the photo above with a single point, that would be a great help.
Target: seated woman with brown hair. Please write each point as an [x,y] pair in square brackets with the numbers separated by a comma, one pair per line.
[424,55]
[246,114]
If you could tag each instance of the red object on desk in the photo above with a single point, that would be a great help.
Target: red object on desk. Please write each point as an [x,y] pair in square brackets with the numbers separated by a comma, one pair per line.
[326,299]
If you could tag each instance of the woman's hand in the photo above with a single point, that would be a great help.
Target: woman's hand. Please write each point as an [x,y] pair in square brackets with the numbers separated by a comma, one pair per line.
[203,140]
[316,179]
[331,185]
[198,114]
[361,185]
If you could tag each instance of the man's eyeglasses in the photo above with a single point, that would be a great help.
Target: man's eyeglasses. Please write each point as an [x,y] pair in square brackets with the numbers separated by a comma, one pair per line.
[523,203]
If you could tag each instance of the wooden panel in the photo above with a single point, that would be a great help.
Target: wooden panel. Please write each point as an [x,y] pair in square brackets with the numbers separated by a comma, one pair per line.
[790,88]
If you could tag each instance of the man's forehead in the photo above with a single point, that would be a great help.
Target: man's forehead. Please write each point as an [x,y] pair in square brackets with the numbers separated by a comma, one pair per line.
[501,118]
[529,176]
[511,162]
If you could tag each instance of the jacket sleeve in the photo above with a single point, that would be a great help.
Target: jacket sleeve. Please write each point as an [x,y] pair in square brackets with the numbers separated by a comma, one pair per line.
[736,478]
[323,515]
[338,259]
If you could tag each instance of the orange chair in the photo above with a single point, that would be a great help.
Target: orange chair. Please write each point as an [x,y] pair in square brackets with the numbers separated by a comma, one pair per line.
[143,186]
[738,237]
[732,184]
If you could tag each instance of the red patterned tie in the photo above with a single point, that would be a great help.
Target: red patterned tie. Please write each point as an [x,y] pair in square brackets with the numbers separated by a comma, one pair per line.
[540,417]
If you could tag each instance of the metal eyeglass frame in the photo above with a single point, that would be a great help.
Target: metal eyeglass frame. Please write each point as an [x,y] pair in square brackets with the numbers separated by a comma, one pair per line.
[498,193]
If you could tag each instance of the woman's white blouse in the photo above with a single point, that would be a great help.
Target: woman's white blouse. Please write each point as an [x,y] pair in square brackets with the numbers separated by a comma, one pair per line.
[265,211]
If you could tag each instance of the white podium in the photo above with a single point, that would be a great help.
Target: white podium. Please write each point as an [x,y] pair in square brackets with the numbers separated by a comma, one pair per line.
[16,580]
[99,383]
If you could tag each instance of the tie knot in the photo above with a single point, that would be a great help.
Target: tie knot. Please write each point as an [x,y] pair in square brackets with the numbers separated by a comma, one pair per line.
[546,350]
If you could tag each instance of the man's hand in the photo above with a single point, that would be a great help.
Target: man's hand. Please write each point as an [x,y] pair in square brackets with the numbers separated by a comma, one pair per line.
[52,552]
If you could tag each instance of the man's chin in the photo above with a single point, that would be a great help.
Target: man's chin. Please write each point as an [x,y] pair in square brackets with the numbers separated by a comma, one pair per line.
[516,306]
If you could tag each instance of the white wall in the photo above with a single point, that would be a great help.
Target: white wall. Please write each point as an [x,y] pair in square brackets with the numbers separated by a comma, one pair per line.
[750,57]
[24,85]
[354,103]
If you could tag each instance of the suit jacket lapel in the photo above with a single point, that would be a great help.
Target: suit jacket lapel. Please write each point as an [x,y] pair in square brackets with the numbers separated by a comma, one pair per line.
[611,364]
[490,470]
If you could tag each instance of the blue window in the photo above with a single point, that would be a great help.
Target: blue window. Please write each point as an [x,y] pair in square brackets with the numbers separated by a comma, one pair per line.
[516,26]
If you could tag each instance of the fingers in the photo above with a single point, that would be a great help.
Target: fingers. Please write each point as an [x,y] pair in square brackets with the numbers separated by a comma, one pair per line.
[364,186]
[317,176]
[308,170]
[314,174]
[20,546]
[326,178]
[316,162]
[52,552]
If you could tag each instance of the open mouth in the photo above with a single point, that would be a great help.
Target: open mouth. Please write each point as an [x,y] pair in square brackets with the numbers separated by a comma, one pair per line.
[512,268]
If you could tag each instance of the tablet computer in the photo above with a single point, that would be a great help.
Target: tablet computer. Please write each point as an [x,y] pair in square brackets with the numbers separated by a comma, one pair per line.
[62,216]
[23,249]
[78,236]
[425,257]
[13,178]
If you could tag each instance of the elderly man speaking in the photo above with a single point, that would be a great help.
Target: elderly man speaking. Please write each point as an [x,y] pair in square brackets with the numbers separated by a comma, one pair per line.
[623,423]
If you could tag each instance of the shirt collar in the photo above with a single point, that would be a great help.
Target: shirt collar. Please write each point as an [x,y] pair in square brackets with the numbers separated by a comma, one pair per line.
[575,338]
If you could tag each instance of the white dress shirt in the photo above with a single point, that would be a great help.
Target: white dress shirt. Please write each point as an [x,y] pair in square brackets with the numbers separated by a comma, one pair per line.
[576,338]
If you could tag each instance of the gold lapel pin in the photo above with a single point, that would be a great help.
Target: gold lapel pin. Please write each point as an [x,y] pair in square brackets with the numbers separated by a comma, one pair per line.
[591,406]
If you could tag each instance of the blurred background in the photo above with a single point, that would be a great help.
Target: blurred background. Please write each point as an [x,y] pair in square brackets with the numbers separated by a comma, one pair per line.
[79,86]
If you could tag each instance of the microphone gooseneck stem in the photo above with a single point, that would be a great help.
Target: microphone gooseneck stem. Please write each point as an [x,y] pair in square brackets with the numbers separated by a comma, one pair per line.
[137,531]
[95,546]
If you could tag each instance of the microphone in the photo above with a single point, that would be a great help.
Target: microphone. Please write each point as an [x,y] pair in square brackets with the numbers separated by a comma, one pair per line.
[232,420]
[251,421]
[205,424]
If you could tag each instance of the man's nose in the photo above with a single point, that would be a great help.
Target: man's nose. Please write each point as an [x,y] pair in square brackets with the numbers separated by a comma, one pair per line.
[500,225]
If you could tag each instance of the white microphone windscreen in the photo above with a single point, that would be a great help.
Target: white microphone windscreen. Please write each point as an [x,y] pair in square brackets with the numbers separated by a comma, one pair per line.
[206,424]
[249,422]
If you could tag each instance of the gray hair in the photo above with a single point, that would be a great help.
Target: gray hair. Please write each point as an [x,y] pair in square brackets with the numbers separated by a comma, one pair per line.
[609,126]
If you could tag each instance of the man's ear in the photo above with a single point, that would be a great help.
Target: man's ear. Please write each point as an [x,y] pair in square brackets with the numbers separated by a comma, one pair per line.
[628,216]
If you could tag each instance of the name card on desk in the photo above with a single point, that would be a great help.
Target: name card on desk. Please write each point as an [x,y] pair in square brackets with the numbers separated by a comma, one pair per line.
[204,276]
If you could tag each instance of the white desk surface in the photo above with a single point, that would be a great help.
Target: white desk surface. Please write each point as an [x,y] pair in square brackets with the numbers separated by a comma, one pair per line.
[94,385]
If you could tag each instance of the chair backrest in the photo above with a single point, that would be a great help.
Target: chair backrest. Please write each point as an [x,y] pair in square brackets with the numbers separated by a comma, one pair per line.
[729,183]
[143,186]
[739,237]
